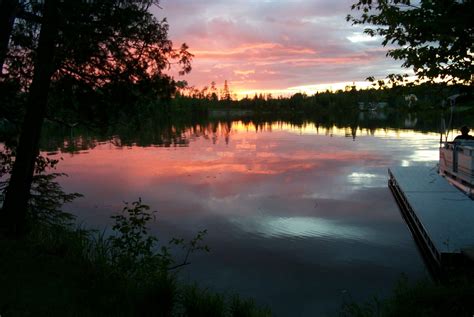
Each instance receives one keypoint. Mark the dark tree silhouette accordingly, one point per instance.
(8, 10)
(17, 195)
(226, 92)
(97, 43)
(435, 37)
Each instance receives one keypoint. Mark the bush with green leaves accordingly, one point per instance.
(135, 252)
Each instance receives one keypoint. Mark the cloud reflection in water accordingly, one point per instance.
(294, 214)
(268, 226)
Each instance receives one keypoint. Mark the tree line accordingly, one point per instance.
(407, 97)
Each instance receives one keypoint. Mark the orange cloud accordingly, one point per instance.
(244, 72)
(252, 50)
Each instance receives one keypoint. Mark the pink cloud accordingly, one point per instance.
(284, 43)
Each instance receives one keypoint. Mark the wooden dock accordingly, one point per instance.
(439, 215)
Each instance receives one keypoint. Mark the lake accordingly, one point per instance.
(299, 217)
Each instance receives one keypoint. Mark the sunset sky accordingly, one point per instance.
(277, 46)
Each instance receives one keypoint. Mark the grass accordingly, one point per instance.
(453, 297)
(60, 271)
(46, 274)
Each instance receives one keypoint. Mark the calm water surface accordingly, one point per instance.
(299, 218)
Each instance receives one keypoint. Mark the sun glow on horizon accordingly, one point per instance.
(304, 89)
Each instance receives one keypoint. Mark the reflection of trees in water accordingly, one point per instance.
(209, 131)
(174, 132)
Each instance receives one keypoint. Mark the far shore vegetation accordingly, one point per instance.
(129, 115)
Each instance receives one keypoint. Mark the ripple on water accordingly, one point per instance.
(267, 226)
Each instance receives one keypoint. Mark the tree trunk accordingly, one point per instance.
(18, 192)
(8, 10)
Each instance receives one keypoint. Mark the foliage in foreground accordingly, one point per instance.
(59, 270)
(433, 37)
(424, 298)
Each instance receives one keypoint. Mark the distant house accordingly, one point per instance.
(372, 106)
(411, 99)
(451, 100)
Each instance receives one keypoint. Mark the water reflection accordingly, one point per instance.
(296, 214)
(301, 227)
(366, 179)
(176, 132)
